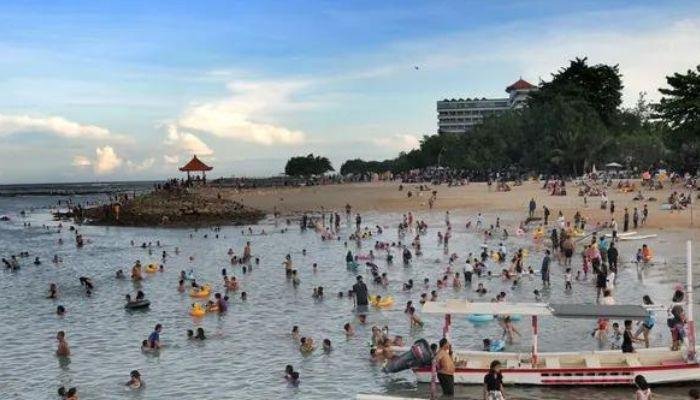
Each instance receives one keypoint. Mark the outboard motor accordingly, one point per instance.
(418, 356)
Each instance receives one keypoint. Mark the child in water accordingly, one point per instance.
(567, 279)
(616, 337)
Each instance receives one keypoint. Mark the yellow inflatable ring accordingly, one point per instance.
(202, 292)
(151, 268)
(197, 310)
(384, 302)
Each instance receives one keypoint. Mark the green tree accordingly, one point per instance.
(358, 166)
(640, 139)
(600, 86)
(679, 109)
(309, 165)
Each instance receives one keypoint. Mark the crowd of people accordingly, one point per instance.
(560, 240)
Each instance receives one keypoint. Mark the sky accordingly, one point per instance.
(130, 90)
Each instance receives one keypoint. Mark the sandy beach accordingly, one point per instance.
(475, 197)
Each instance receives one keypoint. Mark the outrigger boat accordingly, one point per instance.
(659, 365)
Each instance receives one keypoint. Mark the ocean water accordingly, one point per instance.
(248, 348)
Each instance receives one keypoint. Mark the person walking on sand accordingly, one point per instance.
(626, 221)
(533, 207)
(546, 215)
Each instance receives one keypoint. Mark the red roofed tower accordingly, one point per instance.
(519, 92)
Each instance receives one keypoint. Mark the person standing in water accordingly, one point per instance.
(63, 349)
(545, 269)
(612, 258)
(154, 337)
(246, 252)
(361, 298)
(493, 382)
(445, 368)
(643, 389)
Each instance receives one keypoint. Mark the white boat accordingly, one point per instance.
(638, 237)
(621, 235)
(577, 368)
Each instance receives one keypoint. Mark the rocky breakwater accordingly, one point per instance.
(192, 207)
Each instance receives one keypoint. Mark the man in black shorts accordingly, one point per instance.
(601, 281)
(361, 300)
(445, 368)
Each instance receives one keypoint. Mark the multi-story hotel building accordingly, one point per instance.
(461, 115)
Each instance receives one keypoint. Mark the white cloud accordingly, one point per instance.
(647, 47)
(142, 166)
(187, 143)
(174, 159)
(240, 116)
(399, 142)
(106, 160)
(81, 161)
(644, 57)
(59, 126)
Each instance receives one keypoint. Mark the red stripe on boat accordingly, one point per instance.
(572, 370)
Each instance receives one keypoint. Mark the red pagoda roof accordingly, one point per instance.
(520, 85)
(196, 165)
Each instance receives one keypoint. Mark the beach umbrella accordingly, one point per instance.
(613, 165)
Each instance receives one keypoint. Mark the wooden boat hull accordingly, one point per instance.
(659, 366)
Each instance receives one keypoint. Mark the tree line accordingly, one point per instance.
(572, 122)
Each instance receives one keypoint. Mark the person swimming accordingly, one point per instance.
(349, 330)
(200, 334)
(53, 291)
(135, 382)
(306, 345)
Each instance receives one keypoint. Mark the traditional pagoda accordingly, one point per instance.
(196, 165)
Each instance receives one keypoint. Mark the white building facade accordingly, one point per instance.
(462, 115)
